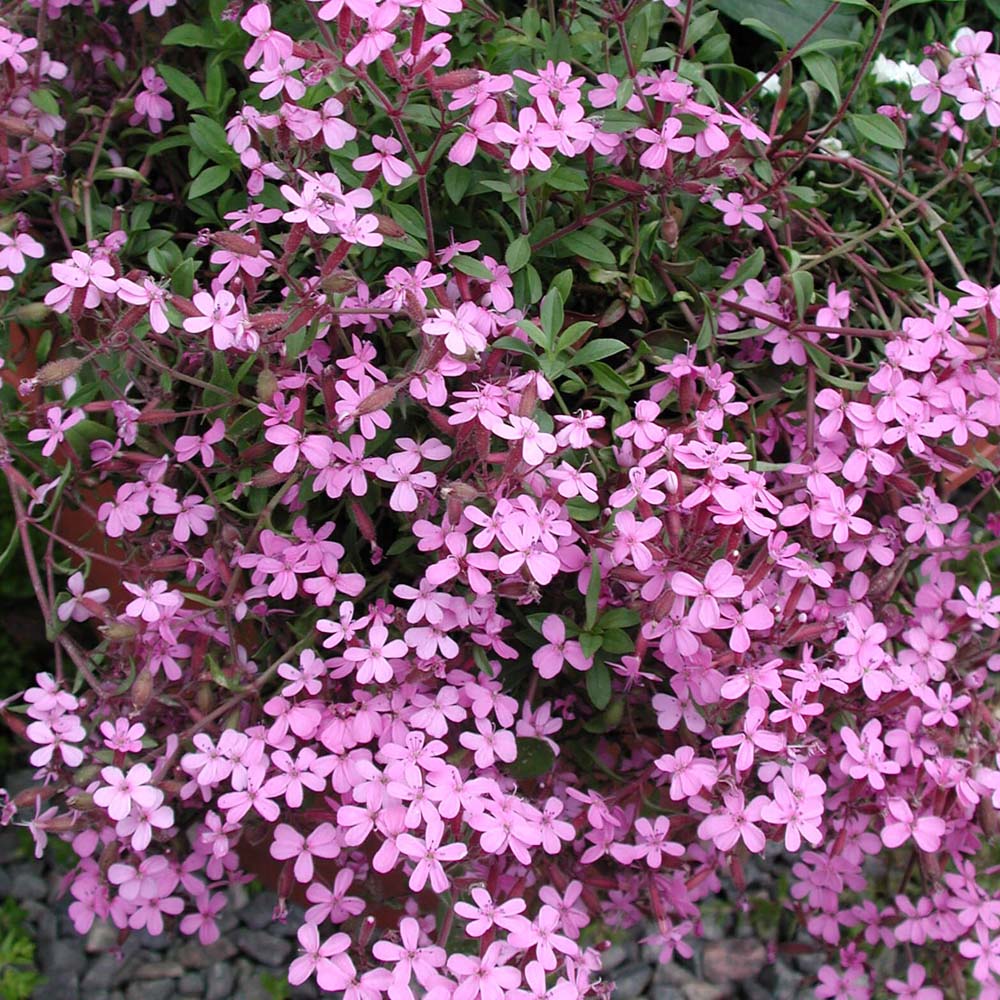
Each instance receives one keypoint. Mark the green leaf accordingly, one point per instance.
(210, 137)
(573, 333)
(45, 101)
(595, 350)
(589, 247)
(536, 333)
(300, 341)
(182, 85)
(878, 129)
(804, 286)
(472, 267)
(787, 22)
(824, 71)
(534, 759)
(593, 591)
(552, 317)
(208, 180)
(563, 283)
(456, 182)
(607, 378)
(599, 685)
(513, 344)
(518, 254)
(750, 268)
(190, 35)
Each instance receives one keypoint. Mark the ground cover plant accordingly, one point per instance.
(511, 467)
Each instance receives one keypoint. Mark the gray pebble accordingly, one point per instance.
(615, 955)
(257, 914)
(63, 985)
(263, 947)
(672, 974)
(150, 942)
(101, 937)
(661, 991)
(151, 989)
(192, 984)
(194, 955)
(219, 981)
(631, 980)
(159, 970)
(305, 991)
(63, 956)
(26, 885)
(704, 991)
(102, 974)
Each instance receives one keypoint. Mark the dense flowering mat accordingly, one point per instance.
(504, 468)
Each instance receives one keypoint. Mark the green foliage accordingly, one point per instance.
(18, 972)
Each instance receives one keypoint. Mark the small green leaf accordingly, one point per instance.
(518, 254)
(599, 685)
(596, 350)
(210, 137)
(552, 317)
(750, 268)
(534, 758)
(472, 267)
(878, 129)
(804, 286)
(190, 35)
(824, 71)
(208, 180)
(456, 182)
(183, 86)
(589, 247)
(45, 101)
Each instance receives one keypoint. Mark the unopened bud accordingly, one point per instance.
(235, 243)
(269, 477)
(142, 689)
(16, 126)
(119, 631)
(265, 322)
(338, 281)
(267, 385)
(31, 313)
(167, 564)
(377, 400)
(205, 698)
(30, 795)
(455, 79)
(57, 371)
(388, 227)
(81, 801)
(156, 417)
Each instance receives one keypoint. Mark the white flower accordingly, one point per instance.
(889, 71)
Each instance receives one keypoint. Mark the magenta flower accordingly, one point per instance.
(430, 856)
(121, 791)
(736, 210)
(486, 977)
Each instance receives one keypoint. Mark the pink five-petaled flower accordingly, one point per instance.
(222, 314)
(55, 433)
(289, 843)
(737, 209)
(490, 744)
(631, 536)
(394, 170)
(486, 914)
(409, 957)
(373, 660)
(530, 140)
(77, 606)
(720, 583)
(461, 336)
(549, 659)
(797, 805)
(926, 831)
(486, 977)
(333, 969)
(913, 988)
(689, 774)
(735, 821)
(122, 791)
(543, 934)
(429, 855)
(662, 143)
(536, 444)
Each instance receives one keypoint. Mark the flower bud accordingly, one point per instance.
(388, 227)
(267, 385)
(118, 631)
(56, 371)
(16, 126)
(205, 698)
(269, 477)
(142, 689)
(377, 400)
(455, 79)
(31, 313)
(81, 801)
(338, 281)
(235, 243)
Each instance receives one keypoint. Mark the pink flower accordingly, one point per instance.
(76, 608)
(373, 660)
(333, 969)
(734, 822)
(289, 843)
(721, 582)
(738, 210)
(486, 914)
(430, 856)
(394, 170)
(485, 978)
(55, 433)
(461, 336)
(530, 140)
(913, 988)
(662, 143)
(631, 536)
(549, 659)
(122, 791)
(926, 831)
(490, 744)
